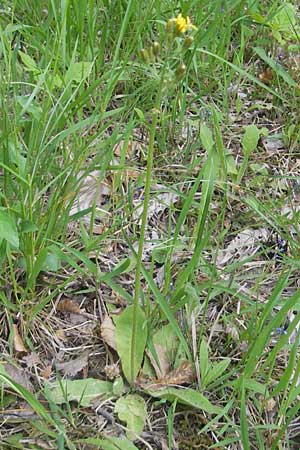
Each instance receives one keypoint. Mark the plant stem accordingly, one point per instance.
(154, 120)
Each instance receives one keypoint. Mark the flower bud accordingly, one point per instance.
(151, 54)
(171, 26)
(188, 42)
(155, 48)
(180, 71)
(144, 54)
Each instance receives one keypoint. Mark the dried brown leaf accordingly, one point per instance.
(46, 373)
(132, 145)
(108, 332)
(60, 334)
(270, 405)
(266, 76)
(31, 360)
(71, 368)
(163, 367)
(18, 341)
(92, 192)
(19, 375)
(69, 306)
(184, 374)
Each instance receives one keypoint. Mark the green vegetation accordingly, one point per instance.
(149, 224)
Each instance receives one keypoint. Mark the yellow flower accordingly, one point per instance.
(184, 24)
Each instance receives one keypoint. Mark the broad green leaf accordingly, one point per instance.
(132, 410)
(216, 370)
(206, 137)
(252, 385)
(82, 391)
(118, 386)
(124, 341)
(230, 164)
(188, 397)
(167, 338)
(166, 309)
(250, 139)
(8, 229)
(28, 62)
(28, 227)
(31, 107)
(203, 355)
(52, 262)
(110, 443)
(285, 19)
(78, 71)
(278, 69)
(258, 168)
(140, 114)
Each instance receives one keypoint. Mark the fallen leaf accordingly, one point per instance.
(31, 360)
(91, 193)
(233, 332)
(46, 373)
(18, 375)
(69, 306)
(161, 199)
(162, 367)
(184, 374)
(118, 149)
(266, 76)
(245, 244)
(108, 332)
(71, 368)
(18, 341)
(60, 334)
(132, 410)
(270, 404)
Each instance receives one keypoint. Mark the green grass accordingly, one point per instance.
(193, 127)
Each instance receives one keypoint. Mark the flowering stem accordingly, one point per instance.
(154, 120)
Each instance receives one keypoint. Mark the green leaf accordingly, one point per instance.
(285, 18)
(30, 107)
(52, 262)
(8, 229)
(258, 168)
(28, 227)
(244, 421)
(28, 62)
(110, 443)
(167, 338)
(188, 397)
(216, 370)
(78, 71)
(230, 164)
(278, 69)
(118, 386)
(250, 139)
(206, 137)
(252, 385)
(82, 391)
(124, 341)
(132, 410)
(203, 355)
